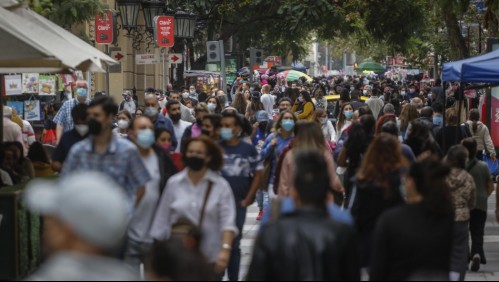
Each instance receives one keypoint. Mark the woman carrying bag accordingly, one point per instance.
(200, 195)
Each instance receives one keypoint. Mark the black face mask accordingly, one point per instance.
(199, 122)
(194, 163)
(94, 127)
(263, 126)
(206, 133)
(176, 118)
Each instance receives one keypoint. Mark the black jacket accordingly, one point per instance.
(305, 246)
(166, 166)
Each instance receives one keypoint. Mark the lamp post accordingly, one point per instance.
(185, 26)
(129, 13)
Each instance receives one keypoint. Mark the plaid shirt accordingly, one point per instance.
(121, 162)
(63, 117)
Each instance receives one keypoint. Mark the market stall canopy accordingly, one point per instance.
(464, 70)
(370, 65)
(481, 72)
(32, 43)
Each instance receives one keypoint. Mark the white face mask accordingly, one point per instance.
(123, 124)
(82, 129)
(185, 95)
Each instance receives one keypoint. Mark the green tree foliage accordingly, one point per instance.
(67, 13)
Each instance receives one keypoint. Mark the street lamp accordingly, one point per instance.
(152, 9)
(129, 13)
(185, 24)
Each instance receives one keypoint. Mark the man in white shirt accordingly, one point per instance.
(374, 102)
(179, 125)
(267, 100)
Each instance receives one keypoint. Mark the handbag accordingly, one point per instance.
(493, 165)
(184, 226)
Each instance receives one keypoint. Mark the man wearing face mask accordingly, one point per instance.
(70, 138)
(193, 94)
(63, 118)
(108, 154)
(242, 169)
(412, 92)
(160, 168)
(179, 126)
(128, 103)
(159, 121)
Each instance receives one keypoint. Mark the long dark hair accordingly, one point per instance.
(37, 153)
(475, 118)
(430, 179)
(306, 97)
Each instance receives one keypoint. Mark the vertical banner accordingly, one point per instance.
(494, 119)
(13, 85)
(164, 31)
(104, 28)
(30, 83)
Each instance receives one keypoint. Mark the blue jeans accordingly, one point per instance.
(235, 256)
(262, 199)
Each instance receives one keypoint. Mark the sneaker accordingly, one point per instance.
(475, 263)
(260, 215)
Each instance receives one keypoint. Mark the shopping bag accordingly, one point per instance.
(493, 165)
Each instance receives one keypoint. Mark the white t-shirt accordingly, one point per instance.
(179, 131)
(143, 216)
(268, 102)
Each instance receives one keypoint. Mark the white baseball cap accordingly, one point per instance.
(92, 204)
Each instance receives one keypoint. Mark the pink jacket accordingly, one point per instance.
(288, 170)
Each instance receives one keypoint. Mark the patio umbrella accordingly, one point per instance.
(370, 65)
(293, 75)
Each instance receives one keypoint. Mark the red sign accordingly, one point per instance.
(164, 31)
(104, 28)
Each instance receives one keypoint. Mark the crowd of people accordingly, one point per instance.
(374, 182)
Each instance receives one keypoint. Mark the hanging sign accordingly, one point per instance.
(104, 28)
(164, 31)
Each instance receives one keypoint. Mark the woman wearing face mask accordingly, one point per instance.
(211, 126)
(304, 106)
(164, 141)
(345, 120)
(320, 101)
(124, 118)
(214, 105)
(201, 195)
(327, 127)
(276, 142)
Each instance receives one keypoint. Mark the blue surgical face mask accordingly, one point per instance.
(145, 138)
(348, 114)
(151, 112)
(438, 120)
(212, 107)
(226, 134)
(288, 124)
(81, 92)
